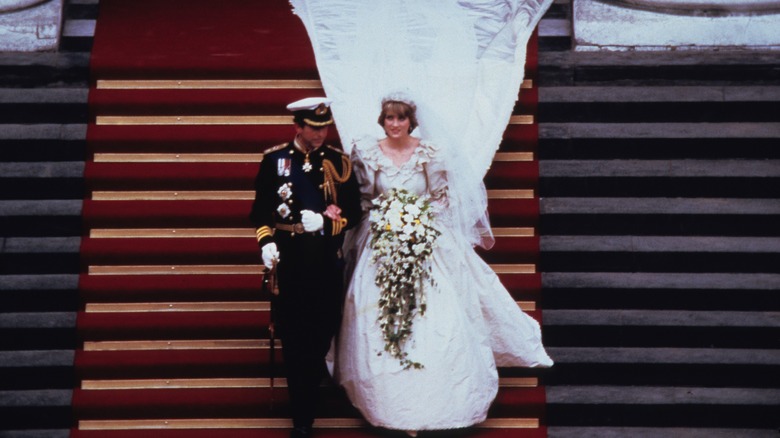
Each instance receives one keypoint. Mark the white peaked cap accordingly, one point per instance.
(309, 103)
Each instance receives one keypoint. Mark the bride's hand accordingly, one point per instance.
(333, 212)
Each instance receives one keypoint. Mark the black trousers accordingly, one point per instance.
(308, 314)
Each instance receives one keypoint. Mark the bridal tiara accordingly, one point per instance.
(399, 96)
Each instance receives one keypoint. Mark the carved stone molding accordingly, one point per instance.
(676, 24)
(15, 5)
(714, 8)
(30, 25)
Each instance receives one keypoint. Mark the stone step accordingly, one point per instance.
(37, 369)
(38, 331)
(44, 70)
(658, 148)
(657, 432)
(35, 218)
(662, 406)
(45, 409)
(568, 68)
(699, 244)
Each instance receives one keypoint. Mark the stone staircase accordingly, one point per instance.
(659, 185)
(43, 99)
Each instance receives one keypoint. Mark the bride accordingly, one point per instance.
(446, 376)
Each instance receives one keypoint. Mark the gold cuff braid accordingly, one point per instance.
(262, 232)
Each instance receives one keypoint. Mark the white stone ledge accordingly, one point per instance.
(601, 26)
(36, 28)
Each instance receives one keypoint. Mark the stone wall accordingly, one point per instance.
(30, 25)
(676, 24)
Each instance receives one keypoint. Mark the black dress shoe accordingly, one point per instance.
(300, 432)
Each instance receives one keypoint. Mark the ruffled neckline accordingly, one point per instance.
(374, 158)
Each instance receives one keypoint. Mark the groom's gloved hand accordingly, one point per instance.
(270, 255)
(312, 222)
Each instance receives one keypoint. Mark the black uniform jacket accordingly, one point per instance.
(290, 181)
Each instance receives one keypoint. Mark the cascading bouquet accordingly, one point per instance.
(403, 238)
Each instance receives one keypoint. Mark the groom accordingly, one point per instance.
(306, 197)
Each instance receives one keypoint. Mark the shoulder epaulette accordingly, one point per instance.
(335, 149)
(275, 148)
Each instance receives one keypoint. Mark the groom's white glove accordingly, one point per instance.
(311, 221)
(270, 255)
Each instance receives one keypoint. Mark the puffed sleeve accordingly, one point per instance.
(365, 170)
(436, 176)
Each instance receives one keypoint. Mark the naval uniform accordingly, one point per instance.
(310, 269)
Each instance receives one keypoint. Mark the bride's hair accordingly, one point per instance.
(404, 108)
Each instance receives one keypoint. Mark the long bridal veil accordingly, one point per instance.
(461, 61)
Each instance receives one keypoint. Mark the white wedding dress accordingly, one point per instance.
(471, 324)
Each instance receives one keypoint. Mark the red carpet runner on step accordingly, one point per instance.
(184, 98)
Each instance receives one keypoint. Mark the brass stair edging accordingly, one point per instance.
(173, 195)
(221, 84)
(215, 423)
(523, 119)
(224, 306)
(262, 382)
(207, 84)
(194, 233)
(238, 306)
(510, 194)
(207, 120)
(513, 156)
(527, 268)
(176, 270)
(136, 384)
(166, 345)
(170, 233)
(514, 231)
(190, 120)
(271, 423)
(128, 157)
(132, 157)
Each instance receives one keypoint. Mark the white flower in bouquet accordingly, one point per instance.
(403, 238)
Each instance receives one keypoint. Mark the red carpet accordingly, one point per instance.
(173, 321)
